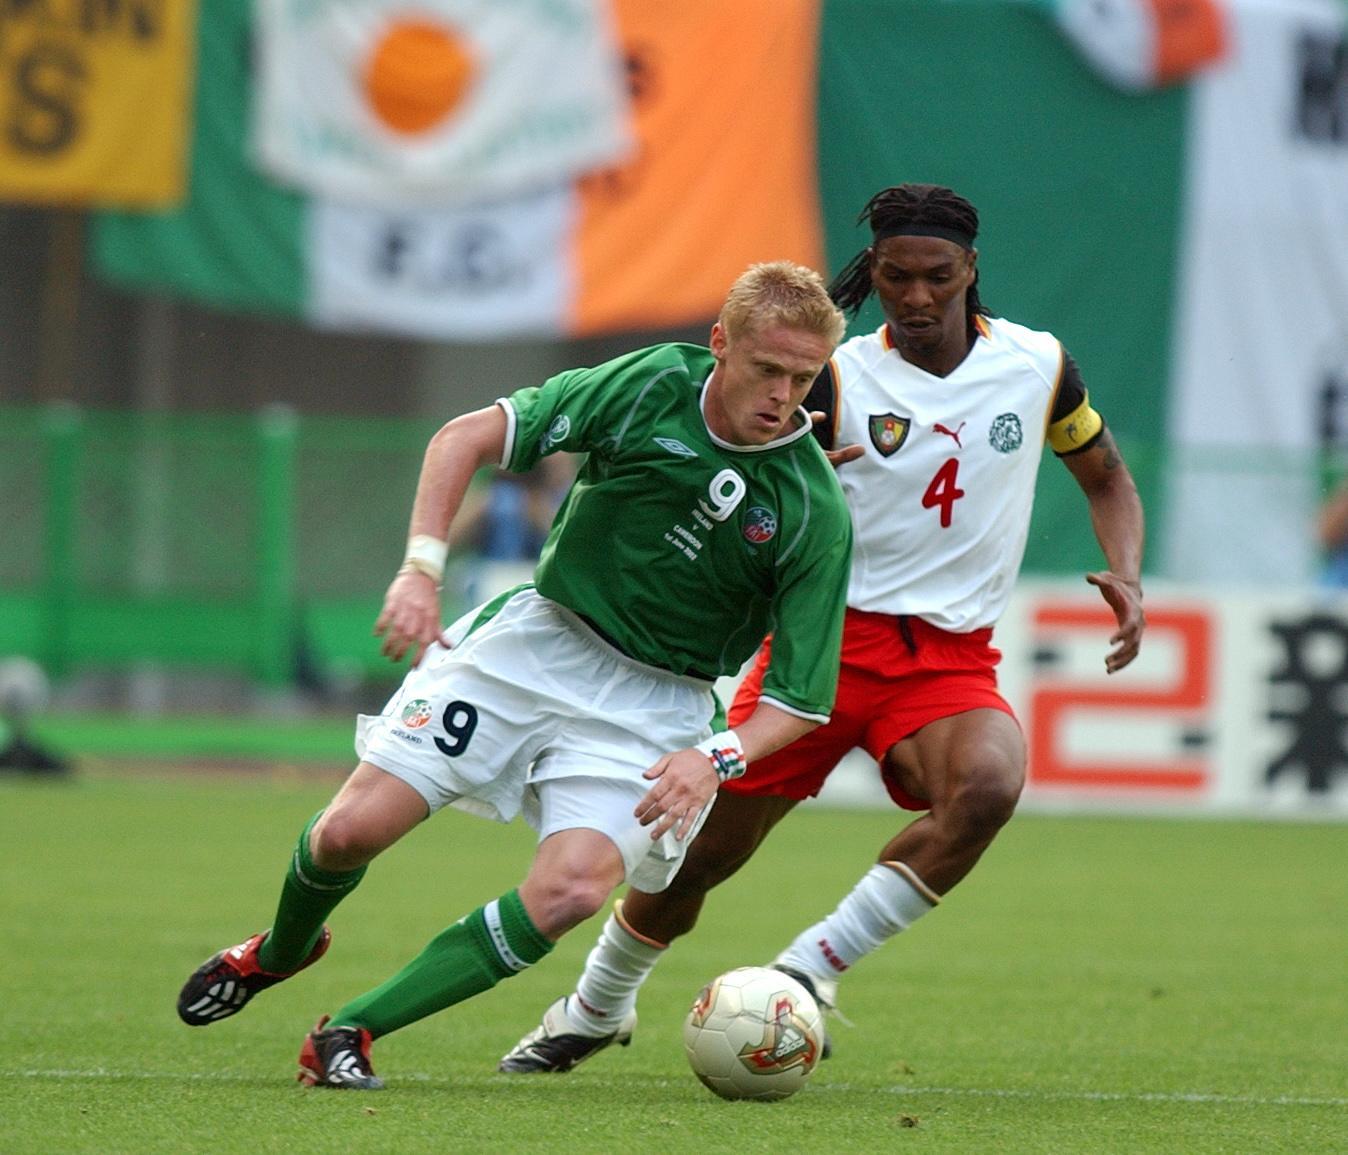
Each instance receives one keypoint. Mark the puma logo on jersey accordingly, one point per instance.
(674, 446)
(955, 433)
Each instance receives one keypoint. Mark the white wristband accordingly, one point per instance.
(726, 754)
(426, 555)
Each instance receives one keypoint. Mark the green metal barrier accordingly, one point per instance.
(261, 543)
(258, 544)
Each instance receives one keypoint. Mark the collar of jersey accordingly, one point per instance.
(980, 342)
(777, 443)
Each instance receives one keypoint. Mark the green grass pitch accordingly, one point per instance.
(1097, 985)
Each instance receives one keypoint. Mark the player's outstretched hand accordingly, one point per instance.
(684, 783)
(410, 619)
(1125, 599)
(837, 457)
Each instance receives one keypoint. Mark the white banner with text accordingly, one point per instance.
(1238, 704)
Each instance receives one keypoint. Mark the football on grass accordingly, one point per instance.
(753, 1033)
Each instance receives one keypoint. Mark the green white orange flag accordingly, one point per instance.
(652, 242)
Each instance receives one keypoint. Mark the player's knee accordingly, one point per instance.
(985, 798)
(341, 841)
(565, 901)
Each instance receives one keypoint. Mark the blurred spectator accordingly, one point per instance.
(1332, 530)
(24, 692)
(504, 523)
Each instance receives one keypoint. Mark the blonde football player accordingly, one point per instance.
(704, 514)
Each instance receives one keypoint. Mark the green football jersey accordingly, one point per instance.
(681, 548)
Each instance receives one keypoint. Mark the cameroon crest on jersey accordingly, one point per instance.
(888, 432)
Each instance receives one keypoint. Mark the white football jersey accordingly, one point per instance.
(941, 500)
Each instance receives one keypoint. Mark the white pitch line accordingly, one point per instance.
(1103, 1096)
(817, 1088)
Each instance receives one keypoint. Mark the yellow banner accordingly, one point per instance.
(94, 101)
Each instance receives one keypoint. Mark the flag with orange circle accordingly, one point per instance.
(722, 175)
(390, 103)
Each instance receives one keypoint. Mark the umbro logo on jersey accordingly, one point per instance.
(675, 446)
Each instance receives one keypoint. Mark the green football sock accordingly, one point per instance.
(493, 943)
(308, 896)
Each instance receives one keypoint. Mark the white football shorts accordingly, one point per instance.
(534, 713)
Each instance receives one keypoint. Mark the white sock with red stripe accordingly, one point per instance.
(614, 972)
(889, 898)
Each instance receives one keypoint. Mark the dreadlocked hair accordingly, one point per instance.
(905, 204)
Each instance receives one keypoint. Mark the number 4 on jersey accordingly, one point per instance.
(943, 492)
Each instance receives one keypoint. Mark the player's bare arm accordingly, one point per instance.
(1332, 524)
(842, 455)
(410, 619)
(685, 780)
(1116, 517)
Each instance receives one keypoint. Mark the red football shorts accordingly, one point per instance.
(886, 691)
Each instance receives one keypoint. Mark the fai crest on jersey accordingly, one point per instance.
(416, 713)
(1005, 435)
(888, 432)
(556, 434)
(759, 524)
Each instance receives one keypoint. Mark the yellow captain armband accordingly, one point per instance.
(1077, 430)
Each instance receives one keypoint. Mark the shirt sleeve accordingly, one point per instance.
(823, 398)
(579, 409)
(1073, 424)
(802, 676)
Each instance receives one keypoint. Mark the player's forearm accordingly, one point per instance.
(1333, 522)
(1117, 518)
(768, 729)
(1115, 508)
